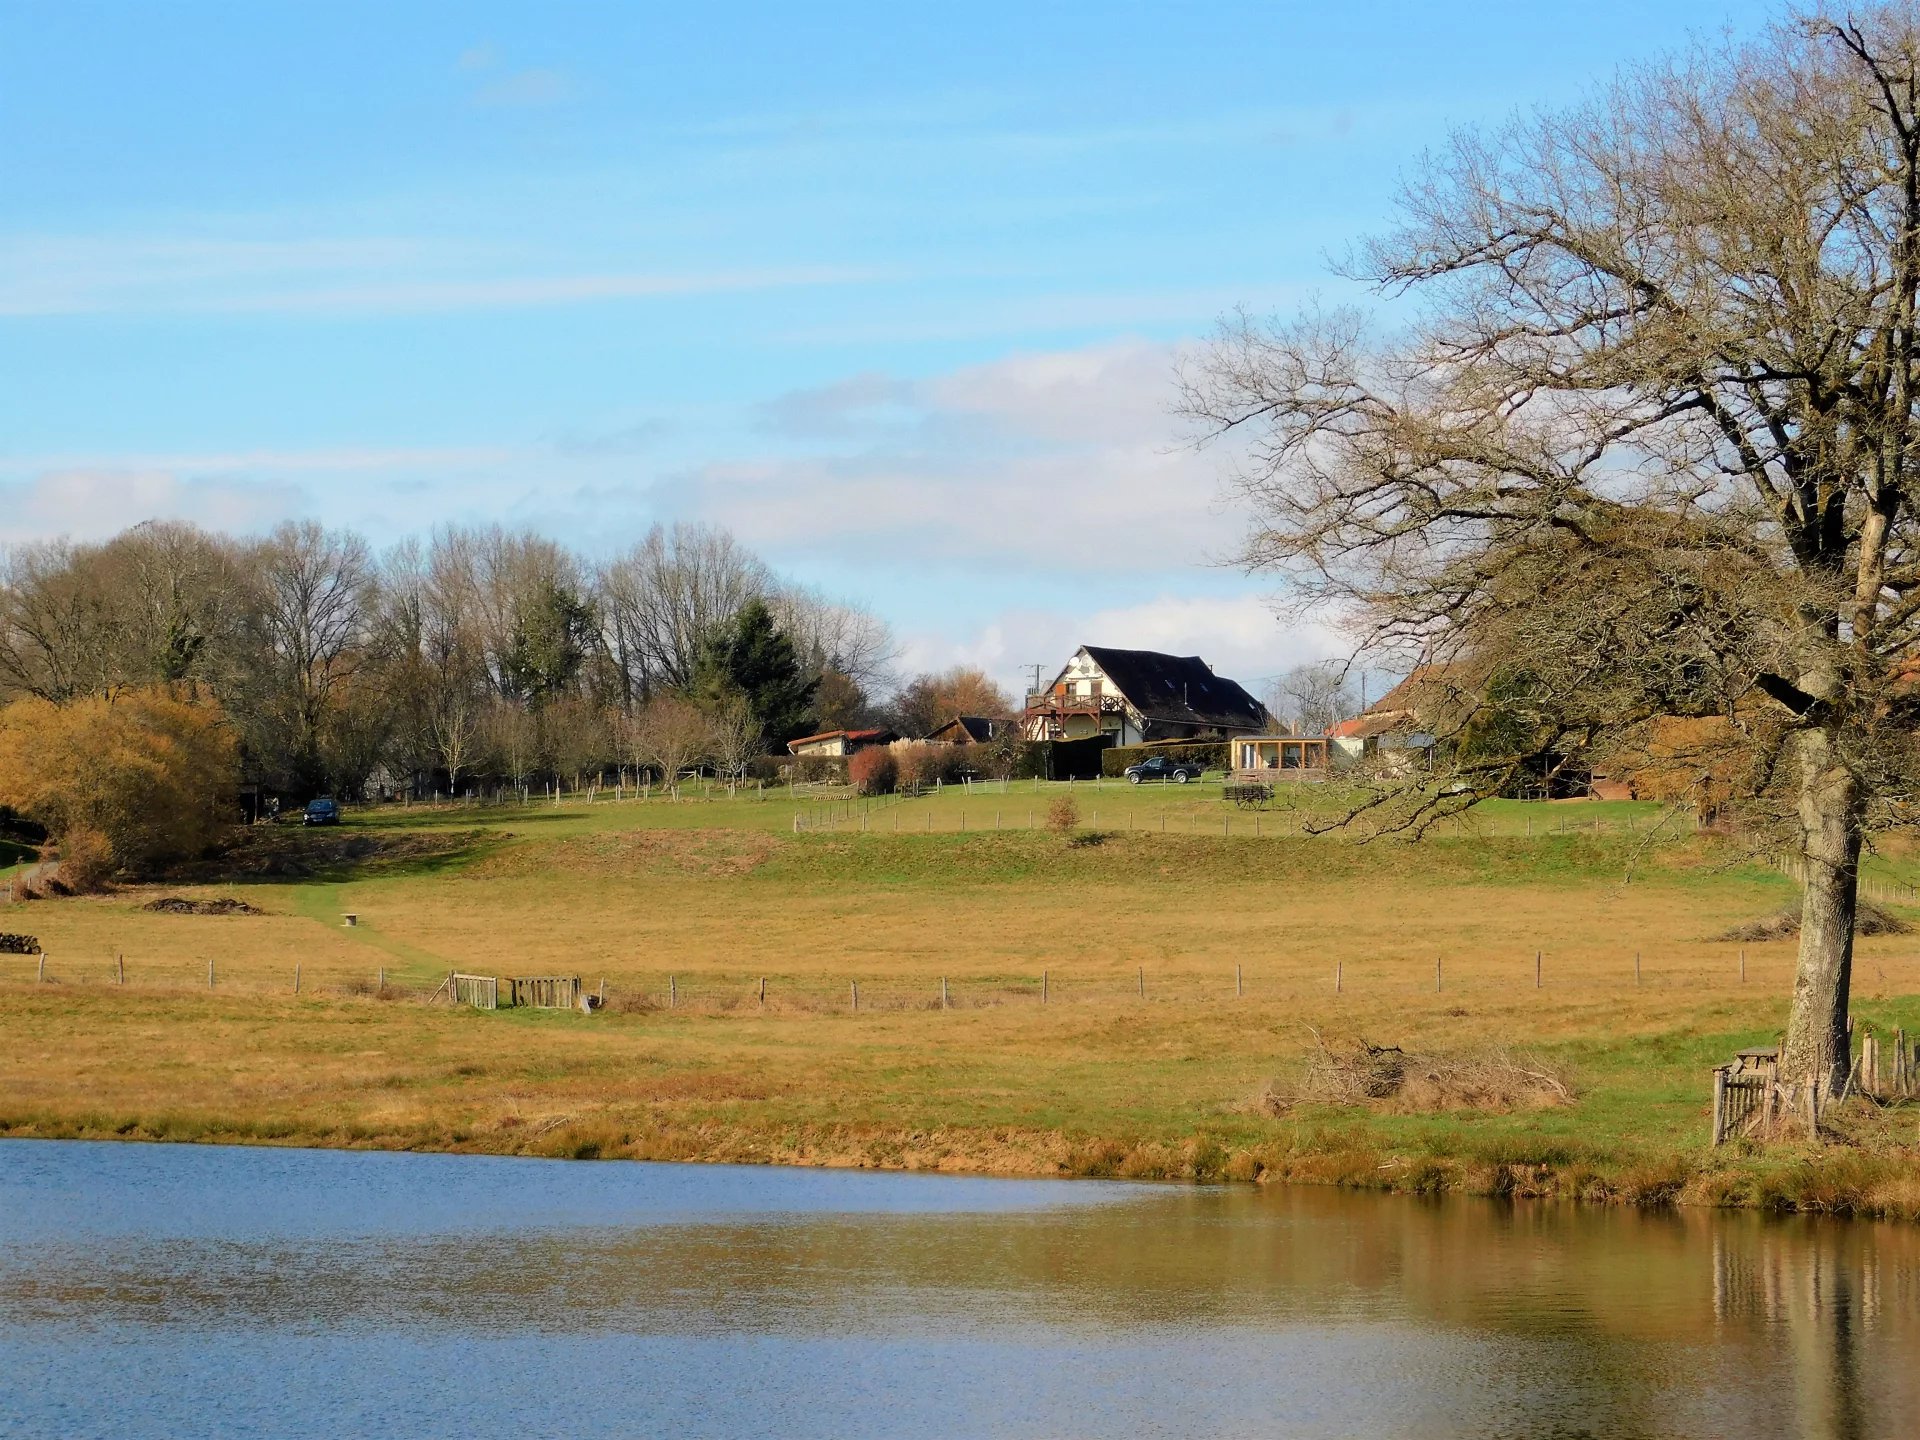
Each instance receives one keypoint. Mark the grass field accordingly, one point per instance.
(1238, 942)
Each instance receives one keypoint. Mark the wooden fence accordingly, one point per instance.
(1750, 1099)
(546, 992)
(482, 992)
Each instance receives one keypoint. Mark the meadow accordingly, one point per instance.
(1116, 1000)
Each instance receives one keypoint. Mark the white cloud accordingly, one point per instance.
(1240, 636)
(1066, 460)
(91, 504)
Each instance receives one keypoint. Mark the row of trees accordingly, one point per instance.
(479, 654)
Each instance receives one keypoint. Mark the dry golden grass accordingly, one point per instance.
(1098, 1080)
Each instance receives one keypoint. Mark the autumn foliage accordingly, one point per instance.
(120, 783)
(872, 770)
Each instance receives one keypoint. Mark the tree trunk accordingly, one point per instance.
(1817, 1046)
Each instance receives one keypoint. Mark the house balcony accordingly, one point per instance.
(1051, 702)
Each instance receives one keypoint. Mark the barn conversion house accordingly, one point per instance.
(1136, 696)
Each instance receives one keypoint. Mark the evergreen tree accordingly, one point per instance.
(752, 657)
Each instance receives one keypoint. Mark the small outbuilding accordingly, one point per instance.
(839, 742)
(1265, 759)
(966, 730)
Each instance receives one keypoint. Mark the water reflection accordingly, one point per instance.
(730, 1302)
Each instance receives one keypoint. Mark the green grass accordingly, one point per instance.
(719, 891)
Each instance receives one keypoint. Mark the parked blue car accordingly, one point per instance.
(322, 812)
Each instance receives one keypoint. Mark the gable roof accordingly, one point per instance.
(979, 728)
(1181, 689)
(850, 736)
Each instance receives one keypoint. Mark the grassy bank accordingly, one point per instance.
(1238, 943)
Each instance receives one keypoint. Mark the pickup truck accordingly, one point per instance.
(1159, 767)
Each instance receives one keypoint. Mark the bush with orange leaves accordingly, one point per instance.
(120, 784)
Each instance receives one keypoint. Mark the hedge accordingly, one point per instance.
(1208, 754)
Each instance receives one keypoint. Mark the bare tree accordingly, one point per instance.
(930, 700)
(735, 737)
(1652, 448)
(663, 598)
(1311, 699)
(669, 734)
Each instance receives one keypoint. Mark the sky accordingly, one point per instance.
(893, 292)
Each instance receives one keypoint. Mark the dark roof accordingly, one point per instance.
(979, 728)
(1180, 689)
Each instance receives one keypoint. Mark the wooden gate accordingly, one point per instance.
(480, 991)
(547, 992)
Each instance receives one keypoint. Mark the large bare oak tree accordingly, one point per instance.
(1651, 446)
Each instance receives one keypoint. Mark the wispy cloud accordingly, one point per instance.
(45, 276)
(537, 86)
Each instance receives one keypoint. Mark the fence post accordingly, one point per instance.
(763, 990)
(1339, 976)
(1239, 990)
(1143, 982)
(209, 974)
(40, 971)
(1043, 986)
(673, 992)
(1536, 970)
(856, 996)
(1743, 967)
(296, 979)
(382, 986)
(1436, 975)
(1636, 967)
(943, 992)
(120, 965)
(1719, 1104)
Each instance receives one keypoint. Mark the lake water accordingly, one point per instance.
(175, 1291)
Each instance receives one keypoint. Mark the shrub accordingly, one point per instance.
(872, 770)
(147, 776)
(86, 860)
(807, 769)
(1063, 815)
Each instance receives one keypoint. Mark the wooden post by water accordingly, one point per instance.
(1719, 1104)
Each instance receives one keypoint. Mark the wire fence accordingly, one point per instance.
(724, 993)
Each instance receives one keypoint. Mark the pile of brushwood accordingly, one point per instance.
(1867, 920)
(174, 905)
(19, 945)
(1389, 1078)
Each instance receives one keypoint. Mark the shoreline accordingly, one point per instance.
(1833, 1181)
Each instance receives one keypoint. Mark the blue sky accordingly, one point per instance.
(893, 292)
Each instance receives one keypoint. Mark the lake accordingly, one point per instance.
(183, 1290)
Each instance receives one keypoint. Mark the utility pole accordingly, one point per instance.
(1034, 689)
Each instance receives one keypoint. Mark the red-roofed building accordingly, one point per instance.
(839, 742)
